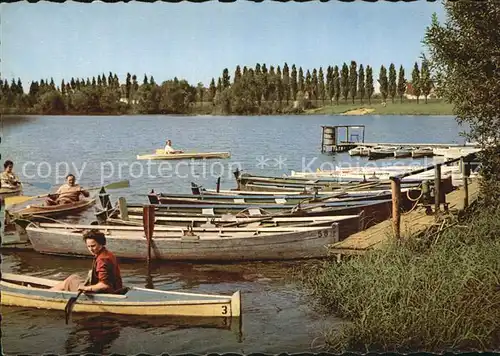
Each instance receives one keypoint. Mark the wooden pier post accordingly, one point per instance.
(437, 188)
(396, 211)
(465, 174)
(122, 206)
(148, 219)
(323, 140)
(218, 185)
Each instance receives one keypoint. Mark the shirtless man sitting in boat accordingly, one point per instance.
(8, 179)
(105, 276)
(67, 193)
(169, 149)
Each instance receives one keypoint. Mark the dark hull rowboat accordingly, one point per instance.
(33, 292)
(34, 212)
(163, 198)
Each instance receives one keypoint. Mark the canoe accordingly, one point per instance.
(34, 212)
(8, 192)
(128, 242)
(33, 292)
(185, 155)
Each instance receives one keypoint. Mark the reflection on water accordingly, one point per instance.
(277, 316)
(271, 305)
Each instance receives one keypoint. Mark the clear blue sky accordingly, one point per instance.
(197, 41)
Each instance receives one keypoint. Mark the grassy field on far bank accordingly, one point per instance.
(433, 107)
(436, 293)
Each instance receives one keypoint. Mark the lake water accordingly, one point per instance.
(277, 316)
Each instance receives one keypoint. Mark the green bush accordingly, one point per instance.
(435, 293)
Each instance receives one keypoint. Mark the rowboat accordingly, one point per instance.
(285, 243)
(185, 155)
(307, 182)
(264, 200)
(27, 291)
(402, 152)
(198, 189)
(232, 220)
(211, 209)
(372, 212)
(359, 151)
(34, 212)
(422, 152)
(381, 152)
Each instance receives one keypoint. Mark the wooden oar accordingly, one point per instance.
(22, 198)
(69, 306)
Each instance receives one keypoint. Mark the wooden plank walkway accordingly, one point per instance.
(413, 222)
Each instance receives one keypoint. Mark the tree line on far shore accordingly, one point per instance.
(256, 90)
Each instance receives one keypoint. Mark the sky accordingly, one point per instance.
(196, 41)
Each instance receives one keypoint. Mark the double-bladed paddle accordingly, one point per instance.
(22, 198)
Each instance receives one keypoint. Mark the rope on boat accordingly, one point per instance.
(414, 200)
(52, 219)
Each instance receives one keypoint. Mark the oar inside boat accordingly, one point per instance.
(23, 198)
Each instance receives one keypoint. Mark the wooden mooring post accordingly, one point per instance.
(396, 211)
(148, 219)
(465, 175)
(437, 189)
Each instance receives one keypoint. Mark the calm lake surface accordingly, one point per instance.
(277, 315)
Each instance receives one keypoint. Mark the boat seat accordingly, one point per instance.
(254, 212)
(239, 200)
(280, 201)
(228, 217)
(208, 211)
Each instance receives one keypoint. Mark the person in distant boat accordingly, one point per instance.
(169, 149)
(67, 193)
(8, 179)
(105, 276)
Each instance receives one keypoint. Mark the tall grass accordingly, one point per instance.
(436, 293)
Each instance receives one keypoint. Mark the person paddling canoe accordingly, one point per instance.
(169, 149)
(105, 276)
(8, 179)
(67, 193)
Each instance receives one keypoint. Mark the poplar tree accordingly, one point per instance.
(415, 81)
(361, 83)
(382, 80)
(392, 82)
(369, 83)
(344, 81)
(401, 83)
(353, 80)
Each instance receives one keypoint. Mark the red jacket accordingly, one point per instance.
(105, 269)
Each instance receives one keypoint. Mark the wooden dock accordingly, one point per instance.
(413, 222)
